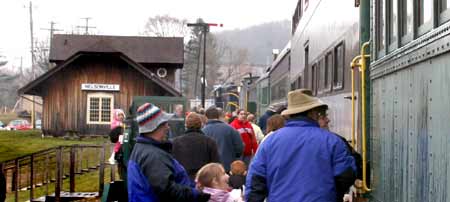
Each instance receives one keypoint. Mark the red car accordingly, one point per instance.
(19, 124)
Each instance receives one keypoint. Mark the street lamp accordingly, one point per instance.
(205, 27)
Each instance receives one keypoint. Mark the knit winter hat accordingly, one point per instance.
(149, 117)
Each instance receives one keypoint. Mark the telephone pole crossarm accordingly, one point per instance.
(205, 30)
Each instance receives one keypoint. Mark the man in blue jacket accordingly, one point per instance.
(228, 140)
(153, 174)
(300, 162)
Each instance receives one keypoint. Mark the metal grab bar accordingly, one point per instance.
(353, 64)
(360, 61)
(363, 110)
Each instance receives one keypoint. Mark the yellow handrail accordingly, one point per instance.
(363, 109)
(353, 64)
(360, 61)
(234, 104)
(233, 94)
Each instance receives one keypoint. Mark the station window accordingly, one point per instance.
(99, 107)
(338, 70)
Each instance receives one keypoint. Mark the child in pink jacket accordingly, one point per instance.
(213, 180)
(118, 117)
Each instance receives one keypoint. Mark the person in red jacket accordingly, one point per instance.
(247, 135)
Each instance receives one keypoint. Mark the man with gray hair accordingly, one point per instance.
(227, 138)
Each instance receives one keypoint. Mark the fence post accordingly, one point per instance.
(16, 180)
(72, 168)
(47, 181)
(31, 176)
(59, 167)
(101, 176)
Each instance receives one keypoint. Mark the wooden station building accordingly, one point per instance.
(96, 74)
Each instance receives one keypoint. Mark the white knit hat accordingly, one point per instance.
(149, 117)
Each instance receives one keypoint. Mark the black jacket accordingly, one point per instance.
(236, 181)
(155, 176)
(194, 150)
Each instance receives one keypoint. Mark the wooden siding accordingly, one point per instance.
(65, 103)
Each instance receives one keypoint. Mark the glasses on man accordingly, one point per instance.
(322, 114)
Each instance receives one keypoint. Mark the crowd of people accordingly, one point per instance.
(290, 154)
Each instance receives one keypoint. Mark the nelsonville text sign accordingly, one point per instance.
(100, 87)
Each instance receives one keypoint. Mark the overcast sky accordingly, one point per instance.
(123, 17)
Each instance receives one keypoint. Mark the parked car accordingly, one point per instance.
(19, 124)
(2, 126)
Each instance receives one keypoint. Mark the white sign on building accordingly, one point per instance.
(100, 87)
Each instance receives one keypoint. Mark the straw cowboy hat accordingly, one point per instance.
(300, 101)
(149, 117)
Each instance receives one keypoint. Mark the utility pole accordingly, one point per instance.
(198, 65)
(52, 29)
(33, 113)
(205, 27)
(86, 27)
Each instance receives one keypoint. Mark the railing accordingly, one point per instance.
(360, 61)
(52, 166)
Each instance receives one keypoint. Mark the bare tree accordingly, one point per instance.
(41, 54)
(3, 61)
(166, 26)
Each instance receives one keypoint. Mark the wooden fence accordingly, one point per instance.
(52, 166)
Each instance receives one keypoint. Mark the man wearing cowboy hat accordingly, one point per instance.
(301, 161)
(153, 174)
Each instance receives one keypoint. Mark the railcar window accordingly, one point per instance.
(313, 78)
(306, 4)
(445, 4)
(306, 69)
(265, 96)
(299, 9)
(279, 89)
(407, 19)
(425, 16)
(425, 11)
(381, 26)
(338, 70)
(299, 82)
(444, 8)
(321, 76)
(328, 70)
(393, 21)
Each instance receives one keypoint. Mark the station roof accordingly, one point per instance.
(143, 50)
